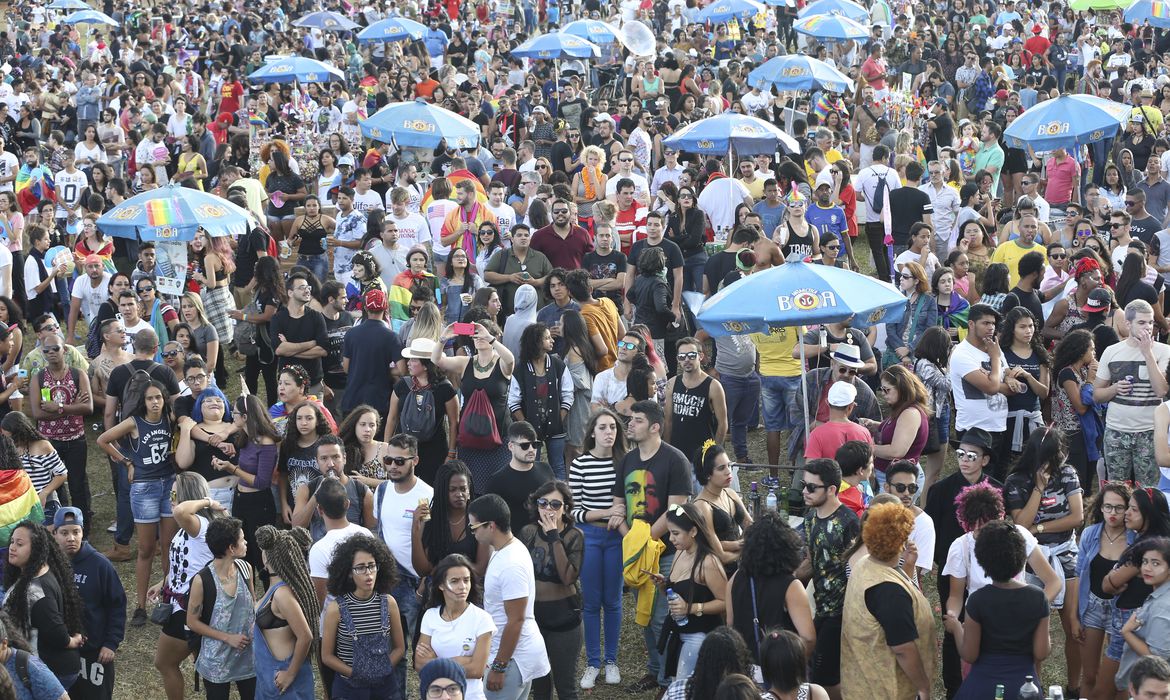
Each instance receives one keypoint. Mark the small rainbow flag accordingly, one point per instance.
(163, 212)
(18, 502)
(33, 186)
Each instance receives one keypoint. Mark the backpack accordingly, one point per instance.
(477, 425)
(22, 668)
(418, 416)
(195, 641)
(134, 392)
(879, 193)
(248, 335)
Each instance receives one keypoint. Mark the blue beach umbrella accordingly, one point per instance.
(830, 27)
(556, 45)
(799, 72)
(392, 29)
(174, 213)
(1156, 12)
(1066, 122)
(295, 68)
(419, 124)
(591, 30)
(835, 7)
(91, 17)
(327, 21)
(67, 5)
(722, 11)
(720, 134)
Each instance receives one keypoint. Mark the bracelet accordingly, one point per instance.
(500, 666)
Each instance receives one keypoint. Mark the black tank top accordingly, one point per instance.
(312, 235)
(770, 606)
(496, 388)
(802, 245)
(692, 422)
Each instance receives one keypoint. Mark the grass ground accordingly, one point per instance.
(137, 678)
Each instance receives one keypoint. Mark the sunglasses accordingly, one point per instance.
(546, 504)
(144, 290)
(1116, 226)
(906, 276)
(1058, 256)
(903, 488)
(851, 371)
(528, 445)
(625, 345)
(475, 526)
(168, 353)
(966, 456)
(813, 488)
(1130, 202)
(396, 461)
(832, 247)
(688, 356)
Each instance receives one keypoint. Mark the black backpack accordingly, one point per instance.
(879, 193)
(134, 393)
(418, 416)
(195, 641)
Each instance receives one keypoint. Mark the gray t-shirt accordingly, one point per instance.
(203, 335)
(735, 355)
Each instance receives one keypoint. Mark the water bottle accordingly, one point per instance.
(999, 692)
(770, 501)
(1029, 690)
(754, 500)
(1056, 692)
(679, 620)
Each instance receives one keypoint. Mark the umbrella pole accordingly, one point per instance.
(804, 384)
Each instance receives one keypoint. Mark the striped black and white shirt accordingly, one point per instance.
(367, 619)
(591, 480)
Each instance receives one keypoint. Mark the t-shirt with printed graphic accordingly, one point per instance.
(1133, 411)
(300, 467)
(605, 267)
(1018, 487)
(828, 220)
(647, 485)
(973, 408)
(828, 539)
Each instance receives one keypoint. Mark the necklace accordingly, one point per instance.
(479, 367)
(1112, 540)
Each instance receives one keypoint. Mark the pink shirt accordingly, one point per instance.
(871, 69)
(1061, 175)
(825, 439)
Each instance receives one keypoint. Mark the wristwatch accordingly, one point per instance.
(1040, 529)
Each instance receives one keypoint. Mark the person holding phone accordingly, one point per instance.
(978, 363)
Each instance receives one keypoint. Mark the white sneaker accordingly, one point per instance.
(112, 528)
(589, 678)
(613, 676)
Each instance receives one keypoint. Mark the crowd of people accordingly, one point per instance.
(476, 409)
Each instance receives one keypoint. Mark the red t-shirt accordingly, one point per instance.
(631, 225)
(567, 252)
(229, 97)
(827, 438)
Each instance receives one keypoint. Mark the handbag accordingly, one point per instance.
(161, 612)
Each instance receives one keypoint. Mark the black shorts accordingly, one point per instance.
(826, 661)
(1015, 161)
(176, 625)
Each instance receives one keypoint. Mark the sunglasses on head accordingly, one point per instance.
(396, 461)
(903, 488)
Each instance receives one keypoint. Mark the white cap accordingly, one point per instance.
(841, 394)
(346, 159)
(825, 177)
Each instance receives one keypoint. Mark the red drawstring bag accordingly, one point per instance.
(477, 426)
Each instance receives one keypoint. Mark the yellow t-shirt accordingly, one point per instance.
(1010, 253)
(775, 350)
(755, 189)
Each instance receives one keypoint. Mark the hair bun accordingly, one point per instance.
(302, 537)
(266, 536)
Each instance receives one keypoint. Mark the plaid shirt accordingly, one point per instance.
(981, 91)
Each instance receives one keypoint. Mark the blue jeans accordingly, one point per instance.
(601, 590)
(652, 631)
(317, 264)
(515, 687)
(781, 403)
(556, 455)
(405, 594)
(693, 272)
(688, 654)
(125, 517)
(743, 395)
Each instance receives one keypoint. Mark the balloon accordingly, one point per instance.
(638, 38)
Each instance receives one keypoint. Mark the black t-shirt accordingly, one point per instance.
(122, 373)
(907, 207)
(601, 267)
(561, 152)
(183, 406)
(944, 134)
(674, 257)
(717, 267)
(1008, 618)
(331, 365)
(1031, 302)
(310, 326)
(288, 184)
(1138, 290)
(247, 254)
(893, 608)
(516, 486)
(1144, 229)
(1027, 401)
(647, 485)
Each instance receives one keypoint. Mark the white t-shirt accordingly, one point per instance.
(397, 516)
(866, 183)
(69, 188)
(412, 230)
(458, 637)
(367, 202)
(91, 297)
(973, 408)
(5, 277)
(436, 213)
(1132, 412)
(132, 331)
(923, 538)
(9, 166)
(961, 560)
(608, 389)
(321, 553)
(641, 185)
(906, 256)
(510, 576)
(505, 217)
(719, 199)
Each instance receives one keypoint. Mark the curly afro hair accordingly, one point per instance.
(340, 579)
(770, 547)
(886, 530)
(1000, 550)
(977, 505)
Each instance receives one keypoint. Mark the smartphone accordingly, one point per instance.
(463, 328)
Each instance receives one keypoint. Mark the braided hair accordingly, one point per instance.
(284, 555)
(43, 550)
(436, 534)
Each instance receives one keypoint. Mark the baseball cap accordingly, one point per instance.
(1036, 29)
(841, 394)
(1001, 94)
(68, 515)
(602, 117)
(91, 259)
(375, 300)
(346, 159)
(1099, 300)
(539, 109)
(825, 177)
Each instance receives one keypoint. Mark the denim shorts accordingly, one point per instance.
(150, 501)
(1116, 643)
(781, 410)
(1097, 613)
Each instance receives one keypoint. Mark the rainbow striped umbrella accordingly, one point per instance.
(1157, 12)
(174, 213)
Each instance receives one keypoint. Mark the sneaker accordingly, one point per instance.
(589, 678)
(613, 676)
(113, 527)
(139, 618)
(644, 684)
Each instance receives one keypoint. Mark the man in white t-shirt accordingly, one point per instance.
(1131, 377)
(128, 307)
(625, 169)
(718, 201)
(497, 202)
(437, 212)
(980, 381)
(509, 593)
(88, 292)
(332, 504)
(902, 481)
(70, 183)
(395, 502)
(413, 229)
(365, 199)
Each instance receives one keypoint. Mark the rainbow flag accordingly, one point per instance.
(33, 186)
(18, 502)
(1160, 9)
(163, 212)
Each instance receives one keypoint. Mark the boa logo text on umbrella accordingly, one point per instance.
(211, 211)
(705, 143)
(806, 300)
(793, 72)
(126, 214)
(1053, 128)
(418, 125)
(166, 232)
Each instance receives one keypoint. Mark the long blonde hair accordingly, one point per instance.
(198, 304)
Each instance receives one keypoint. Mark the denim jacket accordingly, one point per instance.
(1091, 547)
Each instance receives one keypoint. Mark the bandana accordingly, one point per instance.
(1085, 266)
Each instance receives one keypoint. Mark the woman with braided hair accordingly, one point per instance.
(283, 636)
(42, 600)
